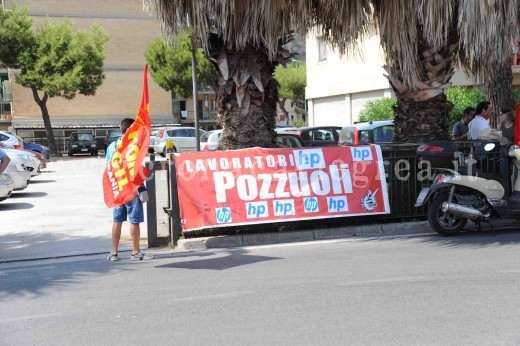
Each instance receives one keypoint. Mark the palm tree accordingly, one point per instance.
(422, 39)
(244, 41)
(423, 50)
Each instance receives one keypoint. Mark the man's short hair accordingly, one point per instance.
(125, 124)
(482, 106)
(469, 110)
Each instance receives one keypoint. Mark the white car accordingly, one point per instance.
(16, 171)
(11, 140)
(183, 138)
(28, 160)
(210, 139)
(6, 186)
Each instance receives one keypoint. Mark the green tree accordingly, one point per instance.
(16, 35)
(293, 80)
(378, 109)
(170, 64)
(54, 61)
(462, 98)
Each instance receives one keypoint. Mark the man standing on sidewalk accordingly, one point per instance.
(4, 161)
(131, 210)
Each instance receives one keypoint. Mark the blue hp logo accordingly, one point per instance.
(310, 204)
(223, 215)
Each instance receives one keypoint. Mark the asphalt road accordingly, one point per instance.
(463, 290)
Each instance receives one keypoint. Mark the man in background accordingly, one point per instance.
(481, 120)
(460, 129)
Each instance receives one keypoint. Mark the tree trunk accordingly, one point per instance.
(421, 121)
(247, 95)
(500, 89)
(422, 110)
(42, 103)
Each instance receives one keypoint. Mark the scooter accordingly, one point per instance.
(458, 195)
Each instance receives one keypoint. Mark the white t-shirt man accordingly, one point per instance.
(476, 126)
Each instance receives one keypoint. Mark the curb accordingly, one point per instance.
(231, 241)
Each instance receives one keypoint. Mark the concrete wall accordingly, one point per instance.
(130, 30)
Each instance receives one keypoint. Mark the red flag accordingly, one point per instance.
(125, 172)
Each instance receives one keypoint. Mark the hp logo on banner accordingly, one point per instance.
(223, 215)
(310, 205)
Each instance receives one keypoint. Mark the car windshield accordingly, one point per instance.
(204, 137)
(84, 137)
(115, 134)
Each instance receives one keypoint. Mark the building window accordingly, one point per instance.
(322, 49)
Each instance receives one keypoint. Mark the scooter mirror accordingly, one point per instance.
(489, 146)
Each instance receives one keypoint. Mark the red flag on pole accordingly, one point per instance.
(125, 171)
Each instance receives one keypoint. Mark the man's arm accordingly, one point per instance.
(4, 163)
(464, 137)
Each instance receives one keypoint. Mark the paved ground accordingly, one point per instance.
(61, 213)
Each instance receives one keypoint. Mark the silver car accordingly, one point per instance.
(183, 139)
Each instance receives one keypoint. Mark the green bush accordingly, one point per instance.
(463, 97)
(378, 109)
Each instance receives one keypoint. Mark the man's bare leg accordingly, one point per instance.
(116, 235)
(135, 232)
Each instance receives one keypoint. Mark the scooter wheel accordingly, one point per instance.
(444, 223)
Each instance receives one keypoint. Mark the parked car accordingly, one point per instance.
(38, 148)
(17, 172)
(11, 140)
(210, 140)
(111, 137)
(29, 160)
(81, 143)
(315, 136)
(6, 186)
(183, 139)
(369, 132)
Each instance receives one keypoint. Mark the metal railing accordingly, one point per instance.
(405, 176)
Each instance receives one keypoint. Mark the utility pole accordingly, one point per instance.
(195, 94)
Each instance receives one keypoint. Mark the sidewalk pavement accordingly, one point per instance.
(62, 214)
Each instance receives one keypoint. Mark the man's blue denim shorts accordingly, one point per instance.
(132, 209)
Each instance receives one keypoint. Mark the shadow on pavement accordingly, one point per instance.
(228, 259)
(471, 238)
(18, 194)
(42, 181)
(15, 206)
(19, 275)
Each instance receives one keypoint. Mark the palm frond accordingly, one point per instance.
(487, 29)
(262, 23)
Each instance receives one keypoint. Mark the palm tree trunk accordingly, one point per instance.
(422, 110)
(42, 103)
(421, 121)
(247, 95)
(500, 88)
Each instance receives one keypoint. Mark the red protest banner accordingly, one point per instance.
(236, 187)
(125, 171)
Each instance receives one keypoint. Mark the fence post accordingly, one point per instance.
(175, 219)
(151, 206)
